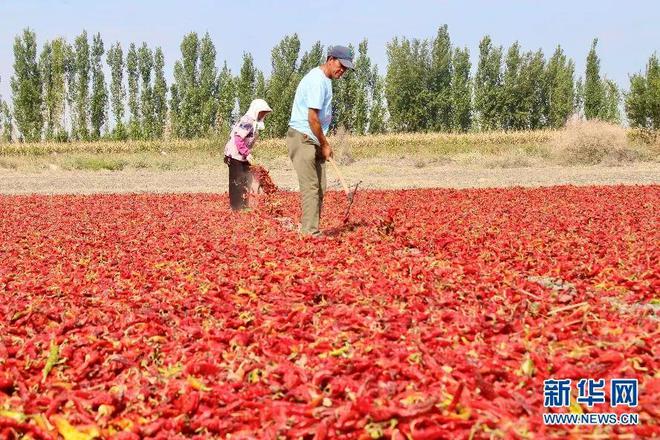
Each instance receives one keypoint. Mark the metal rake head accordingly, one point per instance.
(351, 198)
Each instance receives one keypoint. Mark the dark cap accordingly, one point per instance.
(343, 54)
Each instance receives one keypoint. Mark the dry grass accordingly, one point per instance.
(580, 143)
(110, 147)
(597, 142)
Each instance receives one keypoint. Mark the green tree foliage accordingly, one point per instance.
(377, 112)
(184, 90)
(194, 104)
(115, 60)
(344, 100)
(601, 96)
(594, 92)
(515, 87)
(653, 91)
(7, 122)
(70, 94)
(405, 85)
(561, 89)
(282, 84)
(418, 83)
(260, 87)
(45, 70)
(174, 116)
(461, 91)
(534, 73)
(159, 94)
(440, 81)
(578, 103)
(226, 99)
(488, 85)
(246, 83)
(133, 75)
(52, 67)
(636, 103)
(145, 68)
(81, 70)
(311, 59)
(364, 85)
(99, 98)
(611, 99)
(26, 87)
(642, 102)
(2, 114)
(524, 93)
(208, 86)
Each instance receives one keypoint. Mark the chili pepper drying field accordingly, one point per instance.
(432, 314)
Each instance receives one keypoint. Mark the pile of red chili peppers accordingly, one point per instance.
(437, 314)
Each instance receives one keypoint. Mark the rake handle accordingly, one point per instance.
(341, 177)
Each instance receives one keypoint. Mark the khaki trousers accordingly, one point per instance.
(310, 167)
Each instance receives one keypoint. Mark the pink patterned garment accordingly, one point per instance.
(242, 138)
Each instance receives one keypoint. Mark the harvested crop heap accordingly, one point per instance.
(438, 315)
(263, 177)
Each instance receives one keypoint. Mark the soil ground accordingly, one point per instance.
(374, 174)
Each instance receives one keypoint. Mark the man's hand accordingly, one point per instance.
(315, 124)
(326, 151)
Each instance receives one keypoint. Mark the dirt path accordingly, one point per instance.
(379, 174)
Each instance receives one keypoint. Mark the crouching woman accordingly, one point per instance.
(238, 152)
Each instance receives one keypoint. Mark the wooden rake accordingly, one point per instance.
(350, 194)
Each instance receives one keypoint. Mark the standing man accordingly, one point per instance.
(310, 119)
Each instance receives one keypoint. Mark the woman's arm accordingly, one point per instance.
(241, 145)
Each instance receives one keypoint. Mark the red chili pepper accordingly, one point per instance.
(8, 425)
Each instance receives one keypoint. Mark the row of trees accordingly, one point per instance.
(62, 93)
(643, 101)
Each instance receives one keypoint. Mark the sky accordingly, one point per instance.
(628, 32)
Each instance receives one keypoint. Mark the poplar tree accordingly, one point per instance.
(594, 92)
(226, 99)
(364, 84)
(636, 103)
(312, 58)
(57, 101)
(488, 85)
(578, 103)
(26, 87)
(538, 93)
(282, 84)
(440, 81)
(208, 86)
(377, 113)
(642, 102)
(2, 114)
(461, 91)
(561, 89)
(133, 76)
(246, 83)
(99, 98)
(260, 88)
(45, 71)
(159, 94)
(406, 80)
(611, 99)
(145, 67)
(81, 113)
(515, 98)
(345, 100)
(653, 91)
(194, 103)
(7, 122)
(115, 60)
